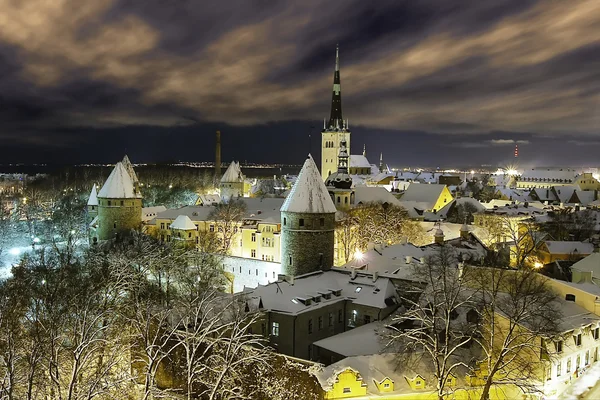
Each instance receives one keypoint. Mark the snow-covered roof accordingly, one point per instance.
(545, 194)
(568, 247)
(565, 192)
(515, 194)
(423, 193)
(549, 175)
(184, 223)
(149, 213)
(233, 174)
(330, 287)
(209, 199)
(309, 194)
(119, 185)
(369, 336)
(471, 201)
(590, 263)
(93, 199)
(359, 161)
(585, 197)
(369, 194)
(129, 167)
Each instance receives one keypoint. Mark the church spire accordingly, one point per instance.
(336, 99)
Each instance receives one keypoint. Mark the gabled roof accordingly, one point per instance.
(184, 223)
(584, 197)
(565, 192)
(93, 199)
(359, 161)
(309, 194)
(233, 174)
(119, 185)
(423, 193)
(129, 167)
(569, 247)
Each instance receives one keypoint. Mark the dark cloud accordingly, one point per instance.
(75, 73)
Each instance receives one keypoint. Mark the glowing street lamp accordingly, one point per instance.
(358, 255)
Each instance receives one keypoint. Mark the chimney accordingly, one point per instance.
(375, 275)
(353, 274)
(218, 155)
(464, 231)
(291, 280)
(408, 259)
(438, 237)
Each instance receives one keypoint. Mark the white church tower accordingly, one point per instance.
(336, 129)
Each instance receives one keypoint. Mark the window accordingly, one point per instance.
(109, 203)
(275, 329)
(122, 202)
(301, 222)
(253, 253)
(558, 369)
(322, 221)
(340, 319)
(559, 346)
(570, 297)
(577, 339)
(346, 390)
(284, 221)
(577, 362)
(162, 225)
(596, 333)
(168, 225)
(320, 323)
(115, 225)
(569, 365)
(211, 228)
(338, 199)
(367, 319)
(257, 272)
(330, 319)
(386, 385)
(310, 326)
(290, 260)
(263, 329)
(587, 357)
(253, 237)
(168, 238)
(189, 234)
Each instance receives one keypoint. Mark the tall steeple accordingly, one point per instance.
(335, 120)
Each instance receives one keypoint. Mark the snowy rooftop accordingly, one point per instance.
(549, 174)
(427, 194)
(184, 223)
(565, 192)
(589, 264)
(129, 167)
(149, 213)
(309, 194)
(368, 194)
(359, 161)
(345, 344)
(93, 199)
(233, 173)
(324, 288)
(118, 185)
(569, 247)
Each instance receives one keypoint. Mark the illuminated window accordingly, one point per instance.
(346, 390)
(275, 329)
(254, 237)
(358, 289)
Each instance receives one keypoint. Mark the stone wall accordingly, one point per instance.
(127, 217)
(249, 272)
(306, 248)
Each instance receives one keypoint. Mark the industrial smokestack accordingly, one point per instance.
(218, 156)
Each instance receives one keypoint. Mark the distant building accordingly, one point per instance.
(426, 197)
(546, 178)
(232, 182)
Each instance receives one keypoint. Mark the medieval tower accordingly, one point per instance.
(336, 129)
(119, 203)
(232, 182)
(307, 224)
(339, 183)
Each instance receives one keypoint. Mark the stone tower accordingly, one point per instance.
(307, 224)
(232, 182)
(92, 203)
(119, 203)
(339, 183)
(336, 129)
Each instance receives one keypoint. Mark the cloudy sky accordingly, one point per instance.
(427, 82)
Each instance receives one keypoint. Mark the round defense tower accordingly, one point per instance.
(307, 224)
(119, 205)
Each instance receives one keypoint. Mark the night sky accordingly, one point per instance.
(428, 82)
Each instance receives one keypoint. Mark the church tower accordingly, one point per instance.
(336, 129)
(307, 224)
(119, 203)
(339, 183)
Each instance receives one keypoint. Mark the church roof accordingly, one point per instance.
(359, 161)
(184, 223)
(233, 173)
(119, 185)
(93, 199)
(129, 168)
(309, 194)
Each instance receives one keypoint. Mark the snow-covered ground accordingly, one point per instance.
(579, 387)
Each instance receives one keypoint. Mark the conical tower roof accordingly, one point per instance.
(93, 199)
(119, 185)
(129, 167)
(233, 174)
(309, 194)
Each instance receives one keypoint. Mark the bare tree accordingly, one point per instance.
(517, 311)
(346, 236)
(435, 328)
(228, 216)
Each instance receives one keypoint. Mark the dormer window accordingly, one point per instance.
(358, 289)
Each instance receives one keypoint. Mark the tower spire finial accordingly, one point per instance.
(364, 149)
(336, 97)
(337, 56)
